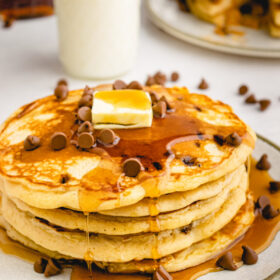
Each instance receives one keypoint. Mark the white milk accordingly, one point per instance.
(97, 38)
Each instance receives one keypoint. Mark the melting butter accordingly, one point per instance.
(122, 109)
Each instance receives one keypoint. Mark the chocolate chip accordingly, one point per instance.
(159, 109)
(61, 92)
(31, 143)
(85, 140)
(88, 91)
(161, 274)
(203, 84)
(106, 137)
(150, 81)
(219, 139)
(86, 127)
(58, 141)
(251, 99)
(64, 178)
(186, 229)
(263, 163)
(262, 202)
(233, 139)
(84, 114)
(249, 256)
(119, 84)
(264, 104)
(274, 186)
(86, 100)
(175, 76)
(160, 78)
(269, 212)
(135, 85)
(243, 89)
(52, 268)
(132, 167)
(40, 265)
(157, 165)
(188, 160)
(226, 262)
(168, 105)
(154, 97)
(62, 82)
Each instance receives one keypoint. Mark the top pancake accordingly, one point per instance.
(96, 181)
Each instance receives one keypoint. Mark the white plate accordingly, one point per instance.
(167, 16)
(13, 268)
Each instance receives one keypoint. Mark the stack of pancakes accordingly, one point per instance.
(190, 201)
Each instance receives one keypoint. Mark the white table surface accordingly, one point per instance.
(29, 69)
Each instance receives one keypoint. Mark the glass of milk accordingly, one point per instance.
(97, 38)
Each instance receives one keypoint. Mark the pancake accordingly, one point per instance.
(97, 223)
(96, 180)
(106, 248)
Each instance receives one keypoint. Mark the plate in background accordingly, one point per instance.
(167, 16)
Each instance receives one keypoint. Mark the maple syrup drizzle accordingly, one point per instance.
(258, 237)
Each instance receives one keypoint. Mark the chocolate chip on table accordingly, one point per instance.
(150, 81)
(161, 274)
(61, 92)
(40, 265)
(52, 268)
(132, 167)
(86, 101)
(243, 89)
(159, 109)
(154, 97)
(203, 84)
(85, 140)
(219, 139)
(264, 104)
(119, 84)
(233, 139)
(31, 143)
(135, 85)
(86, 127)
(160, 78)
(84, 114)
(174, 76)
(106, 137)
(58, 141)
(226, 262)
(249, 256)
(269, 212)
(274, 186)
(262, 202)
(263, 163)
(62, 82)
(251, 99)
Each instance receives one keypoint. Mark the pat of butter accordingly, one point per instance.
(122, 109)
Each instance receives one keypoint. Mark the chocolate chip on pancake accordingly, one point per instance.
(61, 92)
(87, 91)
(203, 84)
(186, 229)
(264, 104)
(119, 84)
(159, 109)
(263, 163)
(150, 81)
(157, 165)
(188, 160)
(249, 256)
(58, 141)
(269, 212)
(251, 99)
(84, 114)
(243, 89)
(233, 139)
(86, 100)
(219, 139)
(168, 105)
(31, 143)
(175, 76)
(154, 97)
(262, 202)
(62, 82)
(86, 127)
(52, 268)
(226, 262)
(85, 140)
(40, 265)
(64, 178)
(106, 137)
(161, 274)
(135, 85)
(274, 186)
(132, 167)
